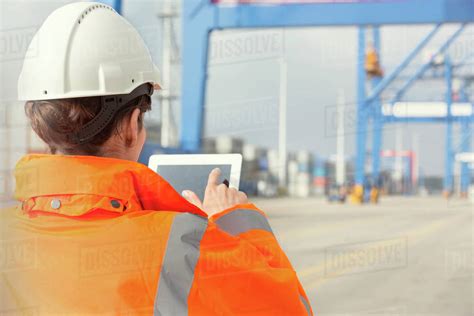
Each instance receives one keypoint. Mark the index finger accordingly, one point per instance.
(214, 177)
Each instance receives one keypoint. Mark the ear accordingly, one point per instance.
(132, 128)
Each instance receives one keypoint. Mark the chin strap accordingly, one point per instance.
(110, 105)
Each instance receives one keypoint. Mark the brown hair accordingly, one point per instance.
(54, 120)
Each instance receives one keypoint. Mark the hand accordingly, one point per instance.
(217, 197)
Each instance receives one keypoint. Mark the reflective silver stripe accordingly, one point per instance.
(306, 304)
(177, 272)
(240, 221)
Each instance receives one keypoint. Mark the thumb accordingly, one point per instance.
(192, 198)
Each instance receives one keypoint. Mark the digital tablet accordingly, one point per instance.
(191, 172)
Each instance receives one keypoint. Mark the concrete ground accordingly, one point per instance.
(404, 256)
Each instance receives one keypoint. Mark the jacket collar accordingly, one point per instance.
(56, 175)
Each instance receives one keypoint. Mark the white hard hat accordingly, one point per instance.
(85, 49)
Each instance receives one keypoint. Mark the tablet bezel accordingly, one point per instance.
(235, 161)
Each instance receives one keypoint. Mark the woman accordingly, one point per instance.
(98, 233)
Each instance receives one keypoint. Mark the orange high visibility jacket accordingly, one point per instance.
(106, 236)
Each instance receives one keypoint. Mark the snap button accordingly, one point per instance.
(55, 204)
(115, 203)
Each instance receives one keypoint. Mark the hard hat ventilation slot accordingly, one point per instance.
(84, 13)
(45, 91)
(133, 80)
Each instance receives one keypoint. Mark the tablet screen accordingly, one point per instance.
(191, 177)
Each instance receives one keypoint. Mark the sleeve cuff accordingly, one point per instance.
(241, 219)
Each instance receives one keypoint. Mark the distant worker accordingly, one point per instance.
(372, 63)
(98, 233)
